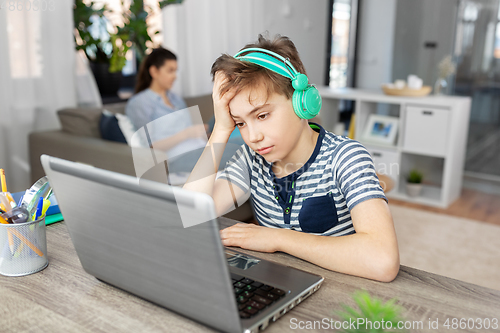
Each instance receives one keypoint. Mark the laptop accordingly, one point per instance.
(128, 233)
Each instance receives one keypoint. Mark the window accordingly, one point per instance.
(341, 17)
(23, 31)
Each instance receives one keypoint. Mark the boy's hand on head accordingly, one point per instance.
(223, 120)
(251, 237)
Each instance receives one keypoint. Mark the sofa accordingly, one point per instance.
(80, 140)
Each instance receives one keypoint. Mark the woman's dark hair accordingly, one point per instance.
(156, 58)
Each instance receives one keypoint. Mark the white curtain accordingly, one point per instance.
(199, 31)
(87, 92)
(36, 77)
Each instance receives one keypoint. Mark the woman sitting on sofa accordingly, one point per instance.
(155, 105)
(169, 128)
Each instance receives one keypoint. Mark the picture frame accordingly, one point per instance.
(381, 129)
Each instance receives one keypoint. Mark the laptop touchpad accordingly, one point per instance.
(240, 261)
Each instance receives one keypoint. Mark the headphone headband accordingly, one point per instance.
(306, 99)
(286, 61)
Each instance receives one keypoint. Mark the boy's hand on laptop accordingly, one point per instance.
(223, 120)
(251, 237)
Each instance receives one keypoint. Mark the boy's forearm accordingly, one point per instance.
(359, 254)
(202, 177)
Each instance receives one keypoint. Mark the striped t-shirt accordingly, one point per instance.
(318, 197)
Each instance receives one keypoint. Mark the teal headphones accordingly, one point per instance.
(306, 99)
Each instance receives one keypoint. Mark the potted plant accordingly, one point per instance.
(384, 317)
(414, 183)
(135, 26)
(106, 44)
(103, 46)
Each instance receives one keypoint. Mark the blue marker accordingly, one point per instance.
(39, 209)
(20, 201)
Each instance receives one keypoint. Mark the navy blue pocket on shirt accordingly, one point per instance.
(318, 214)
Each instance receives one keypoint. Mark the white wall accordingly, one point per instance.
(375, 43)
(199, 31)
(391, 41)
(418, 22)
(306, 23)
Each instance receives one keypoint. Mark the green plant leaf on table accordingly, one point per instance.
(372, 310)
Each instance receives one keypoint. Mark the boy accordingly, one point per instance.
(306, 184)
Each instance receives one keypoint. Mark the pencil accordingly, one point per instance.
(4, 183)
(27, 242)
(5, 204)
(9, 235)
(11, 199)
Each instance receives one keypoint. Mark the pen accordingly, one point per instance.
(46, 204)
(23, 239)
(5, 204)
(4, 188)
(39, 209)
(2, 178)
(11, 200)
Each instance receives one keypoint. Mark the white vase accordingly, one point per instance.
(413, 190)
(440, 87)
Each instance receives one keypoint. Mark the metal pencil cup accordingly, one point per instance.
(23, 248)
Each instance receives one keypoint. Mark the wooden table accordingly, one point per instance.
(63, 298)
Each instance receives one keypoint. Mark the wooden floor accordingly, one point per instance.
(472, 204)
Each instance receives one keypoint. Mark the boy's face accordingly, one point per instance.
(269, 127)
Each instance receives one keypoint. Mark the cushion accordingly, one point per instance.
(134, 138)
(80, 121)
(126, 126)
(109, 128)
(116, 108)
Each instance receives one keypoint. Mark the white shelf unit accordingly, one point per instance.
(432, 137)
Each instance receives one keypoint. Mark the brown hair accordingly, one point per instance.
(241, 74)
(156, 58)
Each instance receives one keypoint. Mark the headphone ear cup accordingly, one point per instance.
(300, 82)
(312, 101)
(307, 103)
(297, 104)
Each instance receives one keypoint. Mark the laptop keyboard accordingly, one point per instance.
(253, 296)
